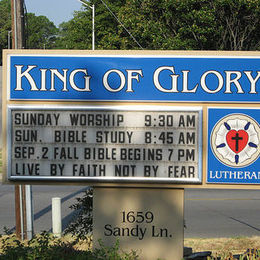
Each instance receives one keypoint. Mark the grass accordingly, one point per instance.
(223, 246)
(47, 244)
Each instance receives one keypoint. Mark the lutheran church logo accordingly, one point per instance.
(235, 140)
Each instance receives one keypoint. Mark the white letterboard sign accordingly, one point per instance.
(105, 144)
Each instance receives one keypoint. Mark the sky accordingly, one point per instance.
(57, 11)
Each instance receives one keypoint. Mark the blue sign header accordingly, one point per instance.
(134, 78)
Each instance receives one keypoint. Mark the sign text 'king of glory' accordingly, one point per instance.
(129, 78)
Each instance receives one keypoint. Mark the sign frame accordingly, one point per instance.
(173, 103)
(144, 109)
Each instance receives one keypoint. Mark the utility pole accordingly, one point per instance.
(18, 24)
(18, 42)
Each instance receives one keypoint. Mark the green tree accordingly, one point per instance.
(238, 24)
(77, 33)
(41, 33)
(165, 24)
(176, 24)
(193, 24)
(5, 24)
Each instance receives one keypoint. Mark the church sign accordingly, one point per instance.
(177, 118)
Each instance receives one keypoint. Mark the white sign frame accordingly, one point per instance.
(105, 179)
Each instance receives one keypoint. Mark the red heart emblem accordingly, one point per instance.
(237, 140)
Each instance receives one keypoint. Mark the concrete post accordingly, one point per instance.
(56, 217)
(29, 211)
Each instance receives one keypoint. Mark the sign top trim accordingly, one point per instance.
(131, 52)
(126, 56)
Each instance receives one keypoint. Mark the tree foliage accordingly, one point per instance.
(238, 23)
(175, 24)
(160, 25)
(41, 33)
(77, 33)
(5, 24)
(194, 24)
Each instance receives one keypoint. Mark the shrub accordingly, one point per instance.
(82, 223)
(46, 247)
